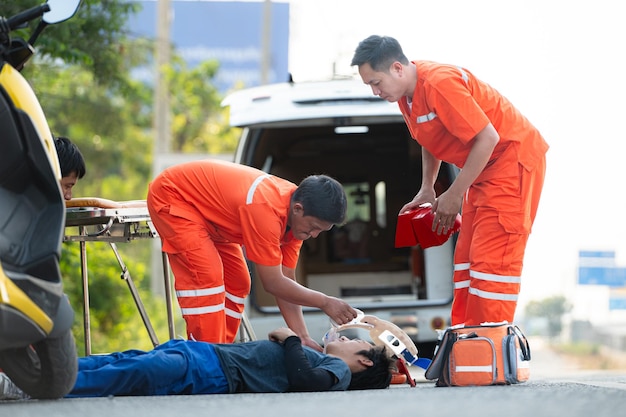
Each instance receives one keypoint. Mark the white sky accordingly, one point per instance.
(560, 62)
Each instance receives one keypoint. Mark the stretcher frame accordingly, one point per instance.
(102, 220)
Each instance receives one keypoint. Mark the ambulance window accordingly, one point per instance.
(380, 192)
(349, 242)
(358, 201)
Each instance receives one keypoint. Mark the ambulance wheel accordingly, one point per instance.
(47, 370)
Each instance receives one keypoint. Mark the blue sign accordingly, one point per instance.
(599, 268)
(596, 254)
(617, 303)
(597, 275)
(229, 32)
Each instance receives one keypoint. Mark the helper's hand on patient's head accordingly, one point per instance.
(280, 334)
(338, 310)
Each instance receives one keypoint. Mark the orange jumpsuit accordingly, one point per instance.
(448, 109)
(206, 212)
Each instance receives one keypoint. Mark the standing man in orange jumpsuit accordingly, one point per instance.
(459, 119)
(208, 212)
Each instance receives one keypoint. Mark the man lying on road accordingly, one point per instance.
(179, 367)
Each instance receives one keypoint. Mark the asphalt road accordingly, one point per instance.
(556, 388)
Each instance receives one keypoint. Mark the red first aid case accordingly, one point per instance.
(415, 227)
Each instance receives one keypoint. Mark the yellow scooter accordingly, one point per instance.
(37, 347)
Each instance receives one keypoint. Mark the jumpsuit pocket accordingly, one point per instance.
(515, 222)
(179, 232)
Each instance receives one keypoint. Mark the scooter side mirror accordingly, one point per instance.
(60, 10)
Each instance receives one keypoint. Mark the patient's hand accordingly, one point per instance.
(280, 334)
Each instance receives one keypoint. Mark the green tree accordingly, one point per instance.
(192, 99)
(81, 75)
(199, 124)
(110, 126)
(94, 38)
(552, 309)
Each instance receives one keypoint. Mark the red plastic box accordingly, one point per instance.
(415, 228)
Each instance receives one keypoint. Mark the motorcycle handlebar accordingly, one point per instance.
(27, 15)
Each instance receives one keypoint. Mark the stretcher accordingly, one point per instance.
(102, 220)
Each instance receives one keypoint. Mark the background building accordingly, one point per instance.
(250, 40)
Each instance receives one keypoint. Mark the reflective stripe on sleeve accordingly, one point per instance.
(426, 117)
(463, 74)
(253, 188)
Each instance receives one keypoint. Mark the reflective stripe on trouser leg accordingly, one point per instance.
(196, 266)
(495, 269)
(499, 236)
(234, 313)
(461, 286)
(492, 297)
(461, 270)
(200, 290)
(497, 218)
(237, 283)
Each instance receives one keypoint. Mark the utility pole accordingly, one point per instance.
(161, 123)
(266, 42)
(161, 96)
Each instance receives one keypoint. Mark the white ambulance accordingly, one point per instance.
(340, 129)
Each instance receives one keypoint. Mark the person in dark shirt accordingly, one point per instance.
(280, 364)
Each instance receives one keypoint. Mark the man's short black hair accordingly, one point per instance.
(378, 375)
(379, 52)
(70, 157)
(322, 197)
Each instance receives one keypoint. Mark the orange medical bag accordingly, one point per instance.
(489, 354)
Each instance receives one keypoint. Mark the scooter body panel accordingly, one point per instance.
(32, 219)
(37, 347)
(24, 98)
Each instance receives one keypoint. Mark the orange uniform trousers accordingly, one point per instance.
(212, 278)
(489, 252)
